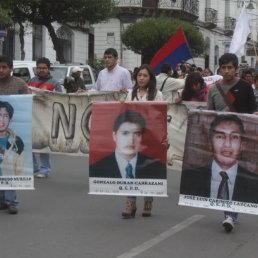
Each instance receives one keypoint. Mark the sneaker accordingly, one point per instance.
(12, 209)
(228, 224)
(40, 175)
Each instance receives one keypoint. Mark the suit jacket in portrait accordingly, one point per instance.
(146, 167)
(197, 181)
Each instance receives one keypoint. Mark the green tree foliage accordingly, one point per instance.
(146, 37)
(97, 63)
(74, 12)
(5, 19)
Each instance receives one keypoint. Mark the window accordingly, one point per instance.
(65, 36)
(37, 42)
(8, 44)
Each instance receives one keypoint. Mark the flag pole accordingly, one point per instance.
(193, 61)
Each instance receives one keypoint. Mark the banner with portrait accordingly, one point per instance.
(61, 123)
(128, 144)
(220, 165)
(16, 171)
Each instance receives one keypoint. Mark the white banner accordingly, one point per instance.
(216, 204)
(122, 186)
(61, 123)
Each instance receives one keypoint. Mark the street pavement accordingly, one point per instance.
(59, 219)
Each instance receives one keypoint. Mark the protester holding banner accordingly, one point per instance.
(247, 75)
(207, 72)
(195, 89)
(143, 90)
(235, 95)
(43, 81)
(74, 82)
(168, 85)
(113, 77)
(9, 85)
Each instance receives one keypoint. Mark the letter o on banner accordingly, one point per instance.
(85, 122)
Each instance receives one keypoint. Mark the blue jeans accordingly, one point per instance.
(146, 198)
(233, 215)
(8, 197)
(44, 163)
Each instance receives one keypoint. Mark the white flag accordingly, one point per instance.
(241, 32)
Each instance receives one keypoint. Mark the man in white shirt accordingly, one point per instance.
(113, 77)
(168, 85)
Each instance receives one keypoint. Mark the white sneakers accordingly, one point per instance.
(40, 175)
(228, 224)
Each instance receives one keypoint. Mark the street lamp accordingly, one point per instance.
(250, 6)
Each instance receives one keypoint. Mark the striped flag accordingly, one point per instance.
(173, 52)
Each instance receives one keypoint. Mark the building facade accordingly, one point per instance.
(215, 19)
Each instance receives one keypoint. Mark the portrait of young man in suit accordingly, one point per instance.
(126, 161)
(224, 178)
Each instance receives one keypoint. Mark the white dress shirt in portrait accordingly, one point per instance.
(216, 179)
(122, 163)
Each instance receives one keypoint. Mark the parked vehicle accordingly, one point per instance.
(28, 69)
(24, 69)
(60, 72)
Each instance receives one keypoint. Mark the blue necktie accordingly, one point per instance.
(129, 171)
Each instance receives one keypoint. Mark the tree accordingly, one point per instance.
(74, 12)
(146, 37)
(97, 63)
(5, 19)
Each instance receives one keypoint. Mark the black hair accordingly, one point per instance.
(131, 117)
(245, 72)
(210, 71)
(223, 118)
(8, 106)
(193, 78)
(111, 51)
(199, 69)
(165, 68)
(43, 60)
(150, 87)
(6, 59)
(228, 57)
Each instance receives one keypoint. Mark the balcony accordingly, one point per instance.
(183, 9)
(211, 17)
(230, 24)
